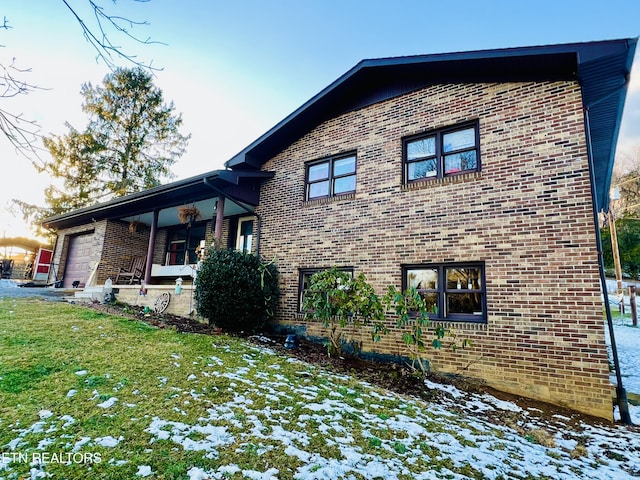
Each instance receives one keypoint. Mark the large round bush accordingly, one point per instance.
(236, 291)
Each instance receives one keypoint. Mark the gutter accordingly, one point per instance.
(621, 393)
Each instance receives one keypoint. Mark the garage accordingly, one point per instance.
(79, 260)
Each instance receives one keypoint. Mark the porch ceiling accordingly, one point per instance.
(169, 216)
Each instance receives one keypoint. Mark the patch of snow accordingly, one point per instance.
(71, 393)
(43, 414)
(197, 473)
(144, 471)
(628, 348)
(270, 474)
(81, 372)
(108, 403)
(81, 443)
(68, 420)
(108, 441)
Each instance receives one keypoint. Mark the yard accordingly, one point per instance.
(85, 394)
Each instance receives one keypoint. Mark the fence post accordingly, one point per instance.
(632, 302)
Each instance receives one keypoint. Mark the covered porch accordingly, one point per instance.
(166, 230)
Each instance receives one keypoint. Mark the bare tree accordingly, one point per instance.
(24, 134)
(98, 35)
(626, 183)
(21, 133)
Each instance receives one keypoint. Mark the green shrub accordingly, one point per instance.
(340, 300)
(236, 291)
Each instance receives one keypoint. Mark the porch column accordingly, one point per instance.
(217, 233)
(152, 242)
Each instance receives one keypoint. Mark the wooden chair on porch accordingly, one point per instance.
(135, 272)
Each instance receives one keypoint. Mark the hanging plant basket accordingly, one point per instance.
(133, 226)
(189, 214)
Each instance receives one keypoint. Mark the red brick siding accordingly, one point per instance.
(527, 215)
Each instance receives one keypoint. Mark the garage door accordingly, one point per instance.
(79, 260)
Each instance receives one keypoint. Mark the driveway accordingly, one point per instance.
(12, 289)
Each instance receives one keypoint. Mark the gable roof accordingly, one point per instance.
(602, 69)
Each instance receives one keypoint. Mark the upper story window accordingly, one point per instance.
(440, 153)
(331, 176)
(452, 291)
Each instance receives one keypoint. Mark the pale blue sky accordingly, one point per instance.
(234, 69)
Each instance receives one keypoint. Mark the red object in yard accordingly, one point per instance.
(42, 264)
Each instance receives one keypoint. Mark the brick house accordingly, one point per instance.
(475, 177)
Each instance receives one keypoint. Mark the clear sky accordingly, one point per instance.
(235, 68)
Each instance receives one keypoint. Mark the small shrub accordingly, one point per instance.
(339, 300)
(412, 316)
(236, 291)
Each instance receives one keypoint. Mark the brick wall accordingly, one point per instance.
(120, 246)
(527, 215)
(61, 250)
(179, 304)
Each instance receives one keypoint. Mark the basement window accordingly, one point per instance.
(453, 292)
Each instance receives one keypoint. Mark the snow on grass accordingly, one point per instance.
(249, 412)
(628, 347)
(110, 402)
(144, 471)
(408, 431)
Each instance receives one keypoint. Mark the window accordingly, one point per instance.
(305, 280)
(182, 244)
(451, 291)
(244, 239)
(331, 177)
(442, 153)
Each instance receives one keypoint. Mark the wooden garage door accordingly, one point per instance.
(79, 260)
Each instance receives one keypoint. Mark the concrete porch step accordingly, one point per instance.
(93, 293)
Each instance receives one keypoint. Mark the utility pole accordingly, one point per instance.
(615, 195)
(616, 259)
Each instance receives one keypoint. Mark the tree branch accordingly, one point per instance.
(22, 134)
(106, 50)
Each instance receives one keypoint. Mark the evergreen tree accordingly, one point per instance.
(130, 143)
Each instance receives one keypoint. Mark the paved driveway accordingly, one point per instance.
(11, 289)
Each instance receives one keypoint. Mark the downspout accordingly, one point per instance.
(621, 393)
(241, 204)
